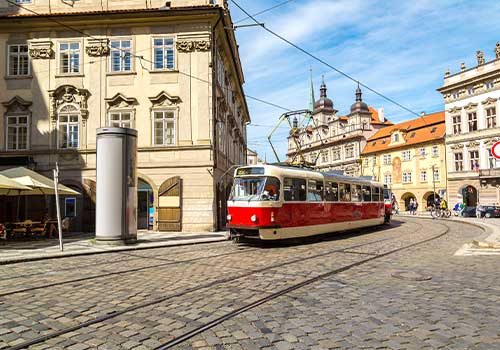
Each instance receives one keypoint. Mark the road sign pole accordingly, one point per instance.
(58, 209)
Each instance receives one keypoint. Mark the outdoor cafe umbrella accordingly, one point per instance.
(11, 187)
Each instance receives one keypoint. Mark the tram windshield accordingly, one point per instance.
(255, 189)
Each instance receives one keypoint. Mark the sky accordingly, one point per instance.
(398, 48)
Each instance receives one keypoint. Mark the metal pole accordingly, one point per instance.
(56, 190)
(434, 185)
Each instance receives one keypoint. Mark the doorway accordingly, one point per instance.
(145, 208)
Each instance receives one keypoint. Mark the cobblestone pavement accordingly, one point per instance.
(144, 299)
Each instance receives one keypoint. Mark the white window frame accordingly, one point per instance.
(349, 151)
(164, 53)
(17, 126)
(406, 155)
(71, 54)
(388, 179)
(436, 175)
(67, 125)
(473, 121)
(423, 175)
(23, 1)
(407, 177)
(422, 152)
(456, 122)
(491, 120)
(122, 50)
(120, 121)
(458, 163)
(164, 119)
(435, 151)
(19, 55)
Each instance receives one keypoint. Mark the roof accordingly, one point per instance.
(423, 129)
(376, 118)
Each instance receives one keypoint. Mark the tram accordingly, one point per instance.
(270, 202)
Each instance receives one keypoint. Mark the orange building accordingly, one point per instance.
(410, 158)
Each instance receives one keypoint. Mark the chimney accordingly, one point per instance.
(381, 116)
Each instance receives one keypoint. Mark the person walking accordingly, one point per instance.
(415, 207)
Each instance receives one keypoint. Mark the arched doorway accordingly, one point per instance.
(170, 205)
(405, 200)
(469, 196)
(89, 198)
(145, 207)
(430, 198)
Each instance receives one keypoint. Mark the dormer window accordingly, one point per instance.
(395, 138)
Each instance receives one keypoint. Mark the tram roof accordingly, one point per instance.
(294, 171)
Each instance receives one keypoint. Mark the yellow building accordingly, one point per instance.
(410, 158)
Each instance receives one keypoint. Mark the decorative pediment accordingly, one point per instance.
(41, 49)
(68, 94)
(97, 47)
(454, 110)
(471, 106)
(17, 104)
(492, 141)
(489, 101)
(119, 101)
(458, 146)
(193, 45)
(473, 144)
(163, 99)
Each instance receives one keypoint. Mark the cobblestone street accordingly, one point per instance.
(392, 287)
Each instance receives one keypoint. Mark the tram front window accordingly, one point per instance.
(255, 189)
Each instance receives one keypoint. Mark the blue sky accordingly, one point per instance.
(399, 48)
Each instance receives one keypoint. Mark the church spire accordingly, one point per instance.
(322, 89)
(311, 92)
(358, 94)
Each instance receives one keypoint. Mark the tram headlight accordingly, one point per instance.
(229, 217)
(253, 218)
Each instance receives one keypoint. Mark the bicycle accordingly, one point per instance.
(440, 213)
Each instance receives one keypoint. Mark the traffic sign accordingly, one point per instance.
(495, 150)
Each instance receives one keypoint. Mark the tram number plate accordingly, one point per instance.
(250, 171)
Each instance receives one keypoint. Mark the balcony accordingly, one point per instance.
(489, 173)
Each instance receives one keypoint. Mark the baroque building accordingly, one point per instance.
(410, 158)
(472, 105)
(170, 69)
(330, 142)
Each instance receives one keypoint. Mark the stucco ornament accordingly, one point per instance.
(189, 46)
(68, 94)
(41, 49)
(497, 50)
(462, 66)
(185, 46)
(480, 58)
(203, 45)
(447, 73)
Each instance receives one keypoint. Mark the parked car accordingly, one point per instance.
(489, 211)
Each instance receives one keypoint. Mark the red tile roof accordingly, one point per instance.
(423, 129)
(376, 118)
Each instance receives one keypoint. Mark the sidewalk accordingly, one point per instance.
(490, 245)
(12, 251)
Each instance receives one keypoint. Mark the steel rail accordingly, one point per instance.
(182, 338)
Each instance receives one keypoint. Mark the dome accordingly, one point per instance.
(359, 105)
(324, 104)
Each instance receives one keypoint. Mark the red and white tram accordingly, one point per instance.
(278, 202)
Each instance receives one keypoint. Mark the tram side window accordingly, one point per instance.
(356, 193)
(376, 194)
(332, 192)
(294, 189)
(367, 195)
(315, 191)
(345, 192)
(380, 194)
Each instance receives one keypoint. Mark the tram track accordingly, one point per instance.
(200, 329)
(160, 300)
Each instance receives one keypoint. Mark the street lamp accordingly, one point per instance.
(434, 186)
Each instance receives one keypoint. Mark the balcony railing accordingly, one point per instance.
(495, 172)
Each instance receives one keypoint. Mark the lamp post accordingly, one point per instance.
(434, 186)
(56, 191)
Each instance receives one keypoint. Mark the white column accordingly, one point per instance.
(466, 159)
(481, 117)
(483, 155)
(497, 111)
(463, 116)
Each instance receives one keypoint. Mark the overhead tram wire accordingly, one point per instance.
(141, 58)
(264, 11)
(324, 62)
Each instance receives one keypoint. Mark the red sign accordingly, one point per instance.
(495, 150)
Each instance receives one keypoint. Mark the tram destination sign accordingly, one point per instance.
(250, 171)
(495, 150)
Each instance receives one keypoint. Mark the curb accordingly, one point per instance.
(117, 250)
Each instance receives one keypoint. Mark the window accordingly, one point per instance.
(388, 179)
(164, 128)
(120, 119)
(315, 191)
(395, 137)
(489, 85)
(356, 193)
(423, 176)
(332, 192)
(18, 61)
(349, 151)
(407, 177)
(436, 175)
(376, 194)
(68, 127)
(23, 1)
(492, 161)
(345, 192)
(374, 161)
(121, 55)
(17, 132)
(435, 151)
(69, 58)
(367, 193)
(459, 161)
(324, 156)
(491, 116)
(457, 124)
(336, 154)
(470, 91)
(294, 189)
(474, 160)
(70, 207)
(456, 95)
(422, 152)
(472, 117)
(406, 155)
(387, 159)
(163, 53)
(366, 162)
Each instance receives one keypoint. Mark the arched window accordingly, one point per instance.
(69, 126)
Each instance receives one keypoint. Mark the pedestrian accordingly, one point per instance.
(478, 211)
(415, 204)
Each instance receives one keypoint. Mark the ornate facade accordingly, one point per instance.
(334, 143)
(472, 106)
(171, 72)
